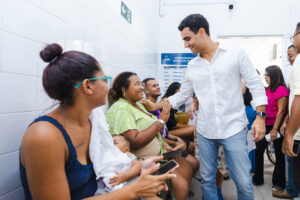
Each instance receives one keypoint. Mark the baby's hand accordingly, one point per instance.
(117, 180)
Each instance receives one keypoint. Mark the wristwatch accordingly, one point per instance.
(161, 121)
(262, 114)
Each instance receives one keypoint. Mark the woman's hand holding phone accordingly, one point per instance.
(180, 143)
(148, 185)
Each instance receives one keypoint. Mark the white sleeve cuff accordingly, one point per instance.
(259, 101)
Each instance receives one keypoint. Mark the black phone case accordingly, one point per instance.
(172, 154)
(296, 147)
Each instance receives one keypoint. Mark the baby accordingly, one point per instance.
(118, 175)
(130, 174)
(113, 164)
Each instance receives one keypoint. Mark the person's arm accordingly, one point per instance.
(121, 177)
(179, 125)
(176, 100)
(43, 154)
(146, 185)
(282, 111)
(283, 126)
(252, 80)
(186, 91)
(192, 110)
(292, 127)
(140, 139)
(43, 151)
(257, 90)
(258, 128)
(186, 132)
(293, 122)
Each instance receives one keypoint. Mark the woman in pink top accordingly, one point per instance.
(276, 110)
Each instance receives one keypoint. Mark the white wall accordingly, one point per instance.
(254, 18)
(93, 26)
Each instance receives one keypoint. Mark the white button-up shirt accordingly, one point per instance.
(217, 85)
(295, 87)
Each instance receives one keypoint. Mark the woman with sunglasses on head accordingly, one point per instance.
(54, 154)
(130, 118)
(276, 111)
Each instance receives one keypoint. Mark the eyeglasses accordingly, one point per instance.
(96, 78)
(292, 38)
(139, 84)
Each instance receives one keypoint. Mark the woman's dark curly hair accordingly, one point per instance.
(121, 81)
(172, 89)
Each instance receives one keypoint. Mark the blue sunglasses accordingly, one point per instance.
(91, 79)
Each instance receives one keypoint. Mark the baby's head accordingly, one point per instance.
(122, 143)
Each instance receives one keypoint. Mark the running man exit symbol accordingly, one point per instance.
(126, 12)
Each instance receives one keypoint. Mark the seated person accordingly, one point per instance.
(128, 117)
(181, 130)
(54, 154)
(152, 92)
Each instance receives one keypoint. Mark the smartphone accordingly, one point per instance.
(172, 154)
(269, 139)
(296, 147)
(166, 168)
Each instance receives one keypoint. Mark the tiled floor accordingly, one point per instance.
(229, 191)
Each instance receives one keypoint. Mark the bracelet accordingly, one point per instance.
(161, 121)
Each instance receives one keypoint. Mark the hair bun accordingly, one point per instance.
(50, 52)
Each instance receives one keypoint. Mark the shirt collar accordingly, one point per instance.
(222, 46)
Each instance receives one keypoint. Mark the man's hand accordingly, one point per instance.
(192, 111)
(287, 146)
(258, 129)
(150, 106)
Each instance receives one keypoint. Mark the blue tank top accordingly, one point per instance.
(81, 178)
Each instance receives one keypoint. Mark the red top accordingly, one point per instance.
(272, 107)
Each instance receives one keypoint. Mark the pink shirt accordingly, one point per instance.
(272, 107)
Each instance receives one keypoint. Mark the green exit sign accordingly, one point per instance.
(126, 12)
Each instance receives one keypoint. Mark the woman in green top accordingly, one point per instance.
(128, 117)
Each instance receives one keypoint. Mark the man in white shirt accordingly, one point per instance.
(291, 141)
(290, 189)
(291, 53)
(215, 76)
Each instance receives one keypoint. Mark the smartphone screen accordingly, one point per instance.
(169, 166)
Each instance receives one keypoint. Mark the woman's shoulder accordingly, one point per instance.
(119, 109)
(44, 139)
(42, 132)
(141, 106)
(118, 105)
(282, 89)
